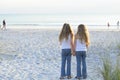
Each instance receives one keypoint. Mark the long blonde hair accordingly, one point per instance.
(65, 32)
(83, 34)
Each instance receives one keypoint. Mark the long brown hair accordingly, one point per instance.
(66, 30)
(83, 34)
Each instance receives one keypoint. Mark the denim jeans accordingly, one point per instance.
(81, 69)
(66, 58)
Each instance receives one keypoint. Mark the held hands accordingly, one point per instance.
(73, 53)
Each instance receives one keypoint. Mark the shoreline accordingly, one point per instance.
(56, 28)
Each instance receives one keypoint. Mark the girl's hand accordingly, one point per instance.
(73, 53)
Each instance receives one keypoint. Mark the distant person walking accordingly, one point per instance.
(108, 24)
(4, 25)
(0, 26)
(118, 25)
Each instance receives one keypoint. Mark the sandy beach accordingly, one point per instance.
(35, 54)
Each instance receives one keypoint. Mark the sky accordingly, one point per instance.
(60, 6)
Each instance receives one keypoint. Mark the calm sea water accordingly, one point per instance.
(58, 19)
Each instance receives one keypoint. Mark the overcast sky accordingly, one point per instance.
(60, 6)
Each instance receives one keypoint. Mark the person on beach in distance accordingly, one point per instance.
(81, 44)
(66, 41)
(108, 24)
(4, 25)
(118, 25)
(0, 26)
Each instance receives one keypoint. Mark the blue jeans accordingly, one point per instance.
(81, 69)
(66, 57)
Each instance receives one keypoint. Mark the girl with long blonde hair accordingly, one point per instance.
(81, 44)
(66, 42)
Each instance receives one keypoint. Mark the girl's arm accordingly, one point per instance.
(73, 47)
(75, 44)
(72, 44)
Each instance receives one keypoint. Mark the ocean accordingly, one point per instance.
(57, 20)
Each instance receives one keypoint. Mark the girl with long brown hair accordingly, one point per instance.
(66, 42)
(81, 44)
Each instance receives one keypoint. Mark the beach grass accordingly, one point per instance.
(110, 71)
(106, 70)
(118, 46)
(116, 72)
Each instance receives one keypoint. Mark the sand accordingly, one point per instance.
(35, 54)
